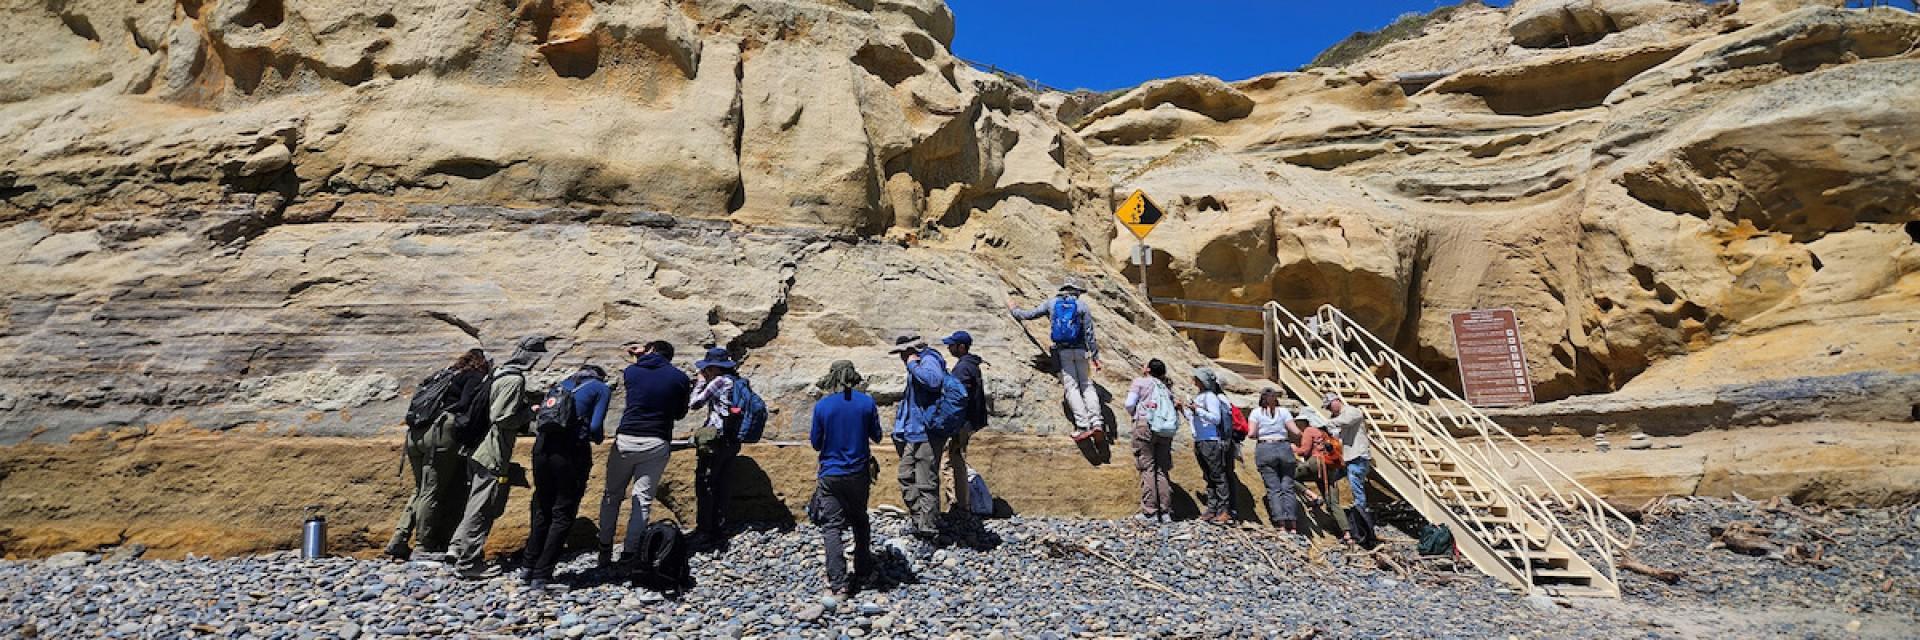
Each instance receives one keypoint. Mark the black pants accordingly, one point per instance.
(1216, 463)
(710, 488)
(840, 502)
(560, 468)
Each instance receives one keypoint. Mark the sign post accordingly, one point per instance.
(1493, 364)
(1139, 214)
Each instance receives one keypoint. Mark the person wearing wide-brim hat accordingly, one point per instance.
(845, 425)
(1076, 351)
(915, 437)
(715, 445)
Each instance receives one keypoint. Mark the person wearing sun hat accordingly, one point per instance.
(715, 446)
(914, 437)
(1076, 351)
(845, 425)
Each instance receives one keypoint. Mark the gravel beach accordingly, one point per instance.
(1019, 577)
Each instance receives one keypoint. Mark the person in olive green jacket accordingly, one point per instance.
(488, 462)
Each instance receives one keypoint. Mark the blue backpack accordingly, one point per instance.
(748, 410)
(1067, 331)
(950, 410)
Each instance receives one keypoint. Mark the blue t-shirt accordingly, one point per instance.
(844, 426)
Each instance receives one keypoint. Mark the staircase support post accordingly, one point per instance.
(1269, 347)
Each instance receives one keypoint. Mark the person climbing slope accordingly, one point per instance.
(1076, 351)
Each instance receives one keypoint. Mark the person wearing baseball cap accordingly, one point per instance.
(1076, 351)
(966, 367)
(1350, 425)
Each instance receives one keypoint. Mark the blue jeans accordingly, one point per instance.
(1357, 475)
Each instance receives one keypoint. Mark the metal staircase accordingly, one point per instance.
(1516, 516)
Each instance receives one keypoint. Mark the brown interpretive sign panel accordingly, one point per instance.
(1493, 363)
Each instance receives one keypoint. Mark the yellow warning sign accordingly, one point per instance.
(1139, 214)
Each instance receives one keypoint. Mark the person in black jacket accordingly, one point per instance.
(439, 476)
(966, 367)
(657, 395)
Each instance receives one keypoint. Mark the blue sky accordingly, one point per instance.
(1091, 44)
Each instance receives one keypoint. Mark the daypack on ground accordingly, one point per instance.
(979, 499)
(661, 563)
(1162, 419)
(1436, 540)
(556, 414)
(1067, 331)
(747, 412)
(429, 400)
(950, 411)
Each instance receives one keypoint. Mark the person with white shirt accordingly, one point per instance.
(1273, 430)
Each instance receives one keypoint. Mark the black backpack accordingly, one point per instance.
(555, 415)
(429, 400)
(1436, 540)
(661, 564)
(1362, 528)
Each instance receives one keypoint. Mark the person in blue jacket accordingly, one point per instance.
(919, 447)
(561, 463)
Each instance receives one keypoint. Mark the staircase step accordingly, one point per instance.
(1538, 557)
(1562, 574)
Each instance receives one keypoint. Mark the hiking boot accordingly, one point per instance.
(1166, 518)
(606, 556)
(1148, 519)
(398, 551)
(485, 573)
(537, 584)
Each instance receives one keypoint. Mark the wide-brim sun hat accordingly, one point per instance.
(716, 357)
(908, 343)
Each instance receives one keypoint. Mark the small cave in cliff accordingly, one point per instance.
(1913, 231)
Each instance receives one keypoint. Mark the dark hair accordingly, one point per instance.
(1270, 395)
(661, 347)
(472, 360)
(1156, 368)
(594, 370)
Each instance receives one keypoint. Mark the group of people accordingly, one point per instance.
(464, 420)
(1298, 454)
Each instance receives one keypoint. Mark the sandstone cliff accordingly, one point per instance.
(257, 212)
(1671, 194)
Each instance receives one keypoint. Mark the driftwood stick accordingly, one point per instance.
(1668, 576)
(1144, 579)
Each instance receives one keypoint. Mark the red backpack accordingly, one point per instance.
(1241, 428)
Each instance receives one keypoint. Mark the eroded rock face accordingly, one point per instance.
(765, 113)
(1684, 201)
(284, 214)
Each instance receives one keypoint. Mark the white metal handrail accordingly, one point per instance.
(1399, 393)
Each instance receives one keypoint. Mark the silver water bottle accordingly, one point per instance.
(313, 537)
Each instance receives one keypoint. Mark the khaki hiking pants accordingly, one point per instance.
(957, 470)
(486, 500)
(1076, 376)
(920, 481)
(1153, 458)
(439, 488)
